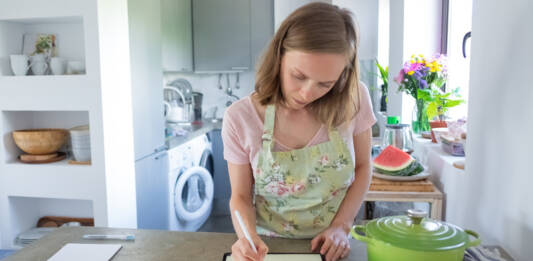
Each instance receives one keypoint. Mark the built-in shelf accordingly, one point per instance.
(24, 212)
(59, 181)
(20, 120)
(69, 39)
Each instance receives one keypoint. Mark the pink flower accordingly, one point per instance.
(295, 188)
(276, 188)
(324, 160)
(399, 78)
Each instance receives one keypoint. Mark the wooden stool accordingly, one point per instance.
(407, 191)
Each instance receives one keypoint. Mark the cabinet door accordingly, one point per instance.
(221, 33)
(146, 76)
(176, 35)
(151, 174)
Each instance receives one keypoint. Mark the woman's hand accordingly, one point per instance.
(242, 250)
(332, 242)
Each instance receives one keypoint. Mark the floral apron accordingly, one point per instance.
(298, 192)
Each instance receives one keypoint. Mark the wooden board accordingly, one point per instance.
(378, 184)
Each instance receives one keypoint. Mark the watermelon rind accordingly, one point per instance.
(414, 168)
(392, 151)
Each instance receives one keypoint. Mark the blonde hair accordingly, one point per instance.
(315, 28)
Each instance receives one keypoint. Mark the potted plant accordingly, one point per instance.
(418, 78)
(438, 104)
(384, 76)
(44, 44)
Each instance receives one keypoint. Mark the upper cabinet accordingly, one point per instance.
(221, 35)
(214, 35)
(176, 35)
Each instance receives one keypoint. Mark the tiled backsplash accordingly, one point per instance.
(208, 85)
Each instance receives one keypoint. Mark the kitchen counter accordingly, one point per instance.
(193, 131)
(164, 245)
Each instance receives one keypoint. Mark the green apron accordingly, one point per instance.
(298, 192)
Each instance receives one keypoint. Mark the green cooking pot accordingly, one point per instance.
(414, 237)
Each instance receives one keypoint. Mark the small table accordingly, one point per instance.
(434, 198)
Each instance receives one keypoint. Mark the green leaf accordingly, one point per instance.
(432, 110)
(453, 103)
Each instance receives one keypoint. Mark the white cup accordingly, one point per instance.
(57, 66)
(75, 67)
(19, 64)
(38, 64)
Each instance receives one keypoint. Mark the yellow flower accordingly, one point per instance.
(410, 72)
(289, 180)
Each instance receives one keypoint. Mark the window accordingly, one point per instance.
(459, 27)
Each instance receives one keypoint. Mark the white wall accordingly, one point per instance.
(283, 8)
(366, 14)
(495, 197)
(415, 28)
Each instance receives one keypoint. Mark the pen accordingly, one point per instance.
(244, 230)
(112, 237)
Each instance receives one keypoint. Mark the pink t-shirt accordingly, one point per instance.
(242, 130)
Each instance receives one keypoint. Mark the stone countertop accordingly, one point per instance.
(165, 245)
(193, 131)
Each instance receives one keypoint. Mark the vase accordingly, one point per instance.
(420, 119)
(383, 101)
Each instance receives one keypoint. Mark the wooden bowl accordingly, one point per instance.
(40, 141)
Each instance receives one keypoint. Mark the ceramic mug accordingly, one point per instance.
(57, 66)
(38, 64)
(75, 67)
(19, 64)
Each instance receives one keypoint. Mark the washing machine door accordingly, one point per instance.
(193, 194)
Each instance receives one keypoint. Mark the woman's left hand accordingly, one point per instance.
(332, 242)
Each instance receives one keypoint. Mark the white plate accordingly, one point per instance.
(422, 175)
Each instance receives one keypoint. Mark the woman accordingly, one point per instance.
(298, 148)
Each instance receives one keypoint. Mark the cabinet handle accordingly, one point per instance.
(240, 68)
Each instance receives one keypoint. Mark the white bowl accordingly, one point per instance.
(82, 130)
(82, 154)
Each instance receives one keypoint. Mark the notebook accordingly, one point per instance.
(285, 257)
(86, 252)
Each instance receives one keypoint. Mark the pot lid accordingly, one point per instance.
(416, 232)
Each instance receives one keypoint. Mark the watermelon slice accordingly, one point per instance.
(392, 159)
(413, 169)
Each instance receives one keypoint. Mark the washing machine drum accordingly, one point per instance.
(193, 194)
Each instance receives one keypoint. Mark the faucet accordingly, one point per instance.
(229, 91)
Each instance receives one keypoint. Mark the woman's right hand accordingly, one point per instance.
(242, 250)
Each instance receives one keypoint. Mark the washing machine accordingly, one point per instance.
(191, 186)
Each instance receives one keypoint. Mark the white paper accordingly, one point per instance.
(289, 257)
(86, 252)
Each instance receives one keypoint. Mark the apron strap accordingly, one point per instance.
(335, 137)
(268, 130)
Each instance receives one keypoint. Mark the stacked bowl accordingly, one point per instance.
(80, 140)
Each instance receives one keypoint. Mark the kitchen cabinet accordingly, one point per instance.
(146, 77)
(214, 36)
(152, 191)
(221, 33)
(220, 175)
(176, 35)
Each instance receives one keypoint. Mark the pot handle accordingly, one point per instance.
(474, 242)
(356, 230)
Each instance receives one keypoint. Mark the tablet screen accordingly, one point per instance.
(285, 257)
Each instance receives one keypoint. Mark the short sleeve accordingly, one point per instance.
(365, 118)
(234, 151)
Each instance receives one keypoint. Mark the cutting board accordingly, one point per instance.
(378, 184)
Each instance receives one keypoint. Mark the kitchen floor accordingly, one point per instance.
(218, 223)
